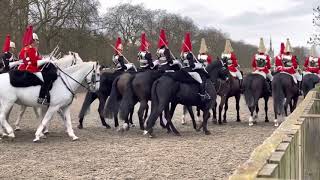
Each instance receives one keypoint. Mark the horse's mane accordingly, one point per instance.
(77, 66)
(214, 65)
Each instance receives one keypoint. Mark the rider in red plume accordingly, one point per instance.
(312, 62)
(203, 56)
(261, 63)
(163, 52)
(286, 62)
(118, 58)
(232, 61)
(32, 62)
(144, 56)
(6, 45)
(194, 68)
(8, 57)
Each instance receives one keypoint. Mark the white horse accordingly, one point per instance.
(66, 61)
(62, 93)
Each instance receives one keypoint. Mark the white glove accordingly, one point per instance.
(42, 62)
(15, 63)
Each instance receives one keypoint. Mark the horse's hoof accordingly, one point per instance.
(17, 129)
(224, 121)
(250, 124)
(46, 133)
(4, 135)
(11, 136)
(255, 122)
(266, 120)
(276, 124)
(207, 132)
(145, 132)
(43, 136)
(107, 126)
(238, 120)
(183, 123)
(75, 138)
(36, 140)
(132, 125)
(80, 126)
(177, 134)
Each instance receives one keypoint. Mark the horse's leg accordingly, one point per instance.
(155, 113)
(225, 110)
(206, 116)
(192, 117)
(146, 112)
(237, 106)
(90, 97)
(5, 108)
(67, 123)
(251, 118)
(257, 111)
(142, 109)
(130, 118)
(50, 112)
(183, 120)
(214, 112)
(102, 102)
(17, 123)
(266, 99)
(222, 102)
(171, 112)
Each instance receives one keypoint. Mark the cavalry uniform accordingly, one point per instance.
(163, 52)
(203, 56)
(193, 67)
(118, 58)
(312, 63)
(144, 56)
(32, 61)
(261, 62)
(286, 62)
(8, 58)
(232, 61)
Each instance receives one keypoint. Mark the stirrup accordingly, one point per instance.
(205, 96)
(43, 101)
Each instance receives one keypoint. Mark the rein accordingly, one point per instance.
(73, 80)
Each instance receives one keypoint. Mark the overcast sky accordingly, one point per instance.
(246, 20)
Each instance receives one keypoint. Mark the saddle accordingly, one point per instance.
(181, 76)
(23, 79)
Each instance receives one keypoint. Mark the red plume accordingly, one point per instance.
(29, 38)
(187, 45)
(24, 38)
(282, 47)
(162, 39)
(144, 42)
(118, 45)
(6, 45)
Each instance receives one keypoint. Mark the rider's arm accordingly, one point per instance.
(254, 63)
(168, 55)
(294, 62)
(234, 60)
(121, 61)
(268, 62)
(209, 59)
(306, 63)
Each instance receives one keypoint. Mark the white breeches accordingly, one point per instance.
(296, 77)
(39, 75)
(307, 72)
(268, 76)
(196, 76)
(237, 74)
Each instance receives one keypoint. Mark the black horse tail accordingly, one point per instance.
(248, 93)
(128, 100)
(278, 96)
(112, 105)
(154, 95)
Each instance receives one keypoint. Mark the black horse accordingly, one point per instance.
(308, 82)
(255, 87)
(102, 94)
(284, 92)
(167, 90)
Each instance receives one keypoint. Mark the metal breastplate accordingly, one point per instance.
(287, 60)
(261, 60)
(160, 54)
(313, 62)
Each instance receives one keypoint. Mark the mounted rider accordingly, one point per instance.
(287, 63)
(203, 56)
(8, 57)
(312, 63)
(118, 59)
(32, 62)
(232, 62)
(144, 56)
(194, 68)
(261, 63)
(163, 54)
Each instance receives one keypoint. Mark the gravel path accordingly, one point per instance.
(105, 154)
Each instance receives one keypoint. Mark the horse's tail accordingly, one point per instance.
(154, 95)
(278, 95)
(128, 100)
(248, 93)
(112, 105)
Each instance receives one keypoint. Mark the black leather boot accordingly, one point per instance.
(203, 93)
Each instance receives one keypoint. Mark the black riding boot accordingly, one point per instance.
(241, 85)
(203, 93)
(269, 87)
(300, 88)
(44, 96)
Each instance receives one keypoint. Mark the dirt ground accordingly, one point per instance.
(107, 154)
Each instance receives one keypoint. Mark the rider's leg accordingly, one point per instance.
(239, 76)
(203, 94)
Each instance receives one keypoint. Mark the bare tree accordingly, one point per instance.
(315, 38)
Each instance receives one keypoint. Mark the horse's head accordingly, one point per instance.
(93, 77)
(218, 69)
